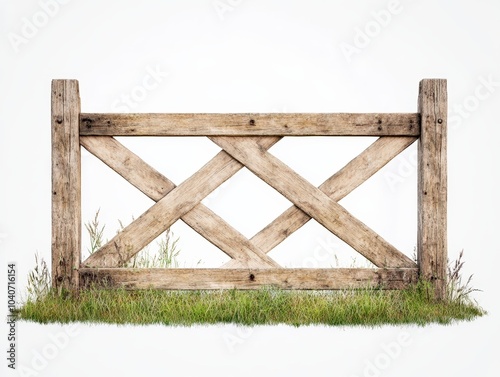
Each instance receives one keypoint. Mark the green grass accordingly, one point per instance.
(260, 307)
(363, 307)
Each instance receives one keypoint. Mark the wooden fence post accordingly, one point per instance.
(66, 185)
(432, 185)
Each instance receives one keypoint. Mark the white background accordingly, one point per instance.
(255, 56)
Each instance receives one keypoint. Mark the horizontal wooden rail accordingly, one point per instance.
(284, 278)
(298, 124)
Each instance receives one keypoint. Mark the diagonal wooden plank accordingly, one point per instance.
(169, 209)
(358, 170)
(313, 201)
(225, 237)
(339, 185)
(128, 165)
(155, 185)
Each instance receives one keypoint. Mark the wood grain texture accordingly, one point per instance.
(66, 185)
(284, 278)
(313, 201)
(298, 124)
(128, 165)
(179, 201)
(432, 184)
(358, 170)
(155, 185)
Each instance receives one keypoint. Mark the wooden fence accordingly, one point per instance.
(244, 140)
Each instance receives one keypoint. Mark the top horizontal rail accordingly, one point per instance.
(245, 124)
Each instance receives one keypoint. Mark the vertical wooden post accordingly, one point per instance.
(66, 185)
(432, 184)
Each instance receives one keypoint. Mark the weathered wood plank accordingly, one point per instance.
(128, 165)
(227, 239)
(66, 185)
(313, 201)
(298, 124)
(339, 185)
(170, 208)
(285, 278)
(432, 184)
(155, 185)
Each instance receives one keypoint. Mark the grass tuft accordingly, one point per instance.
(165, 257)
(456, 288)
(95, 232)
(39, 280)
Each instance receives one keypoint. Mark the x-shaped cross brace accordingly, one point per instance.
(184, 201)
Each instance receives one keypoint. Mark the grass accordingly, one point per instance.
(368, 307)
(39, 283)
(165, 256)
(268, 306)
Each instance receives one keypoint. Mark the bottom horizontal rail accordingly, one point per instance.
(241, 278)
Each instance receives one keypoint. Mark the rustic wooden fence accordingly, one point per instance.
(244, 140)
